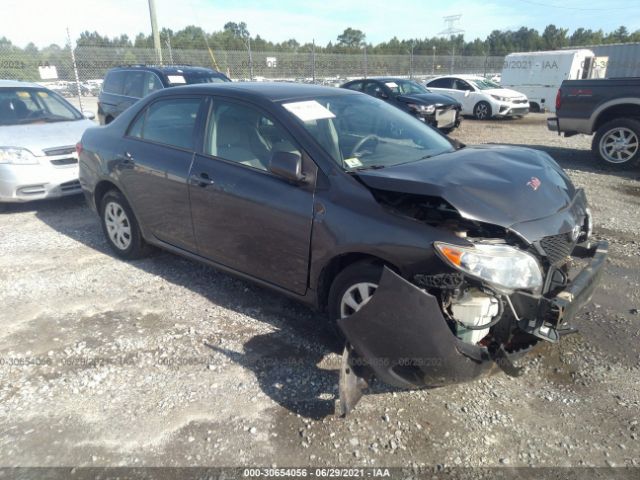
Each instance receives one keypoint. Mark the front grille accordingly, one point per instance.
(52, 152)
(521, 101)
(64, 161)
(557, 247)
(70, 186)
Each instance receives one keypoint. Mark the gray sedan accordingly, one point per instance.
(38, 133)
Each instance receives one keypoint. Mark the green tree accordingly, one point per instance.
(351, 38)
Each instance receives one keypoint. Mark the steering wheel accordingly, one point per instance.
(362, 142)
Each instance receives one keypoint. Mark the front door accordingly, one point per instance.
(245, 217)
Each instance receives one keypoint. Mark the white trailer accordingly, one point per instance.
(539, 74)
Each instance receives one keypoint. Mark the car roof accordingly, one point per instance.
(383, 79)
(167, 69)
(464, 76)
(271, 91)
(17, 84)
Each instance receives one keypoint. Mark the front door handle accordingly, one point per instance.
(201, 179)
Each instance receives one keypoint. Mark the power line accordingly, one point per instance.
(540, 4)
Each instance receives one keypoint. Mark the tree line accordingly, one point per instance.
(236, 36)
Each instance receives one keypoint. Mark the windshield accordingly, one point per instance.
(204, 78)
(405, 87)
(360, 132)
(20, 106)
(485, 84)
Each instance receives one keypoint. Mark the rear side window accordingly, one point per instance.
(114, 82)
(171, 122)
(133, 84)
(151, 83)
(441, 83)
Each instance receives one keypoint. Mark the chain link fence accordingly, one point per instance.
(57, 67)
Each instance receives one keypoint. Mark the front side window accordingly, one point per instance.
(243, 134)
(462, 85)
(169, 121)
(357, 86)
(360, 132)
(151, 83)
(33, 105)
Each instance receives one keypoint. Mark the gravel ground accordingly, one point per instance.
(166, 362)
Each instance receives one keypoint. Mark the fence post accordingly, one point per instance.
(313, 60)
(365, 60)
(75, 71)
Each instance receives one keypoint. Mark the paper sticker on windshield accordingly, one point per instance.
(176, 79)
(391, 84)
(22, 94)
(308, 111)
(352, 162)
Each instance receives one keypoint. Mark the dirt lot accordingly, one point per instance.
(166, 362)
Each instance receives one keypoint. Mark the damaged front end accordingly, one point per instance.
(495, 297)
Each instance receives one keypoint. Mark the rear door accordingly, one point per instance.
(244, 217)
(154, 166)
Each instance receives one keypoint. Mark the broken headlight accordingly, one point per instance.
(499, 265)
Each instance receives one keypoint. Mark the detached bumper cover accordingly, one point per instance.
(552, 124)
(403, 337)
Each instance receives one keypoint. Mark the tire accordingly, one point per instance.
(617, 143)
(120, 227)
(482, 111)
(365, 273)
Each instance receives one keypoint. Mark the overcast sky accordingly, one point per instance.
(45, 21)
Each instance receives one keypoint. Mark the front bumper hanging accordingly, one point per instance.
(401, 335)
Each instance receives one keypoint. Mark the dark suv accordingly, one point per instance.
(436, 262)
(125, 85)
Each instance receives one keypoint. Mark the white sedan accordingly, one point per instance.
(480, 97)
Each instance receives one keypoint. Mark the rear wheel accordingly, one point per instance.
(617, 143)
(482, 111)
(120, 227)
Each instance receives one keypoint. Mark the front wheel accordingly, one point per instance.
(617, 143)
(120, 227)
(482, 111)
(353, 288)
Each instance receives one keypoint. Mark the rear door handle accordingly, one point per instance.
(201, 179)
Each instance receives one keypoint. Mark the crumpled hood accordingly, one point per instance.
(428, 99)
(37, 137)
(500, 185)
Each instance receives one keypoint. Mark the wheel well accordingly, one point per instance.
(337, 265)
(101, 188)
(108, 119)
(617, 111)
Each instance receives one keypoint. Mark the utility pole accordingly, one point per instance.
(452, 31)
(155, 32)
(433, 62)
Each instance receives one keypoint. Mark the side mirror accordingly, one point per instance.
(381, 94)
(467, 93)
(288, 166)
(89, 115)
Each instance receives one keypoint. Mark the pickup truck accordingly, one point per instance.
(610, 108)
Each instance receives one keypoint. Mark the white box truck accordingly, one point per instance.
(539, 74)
